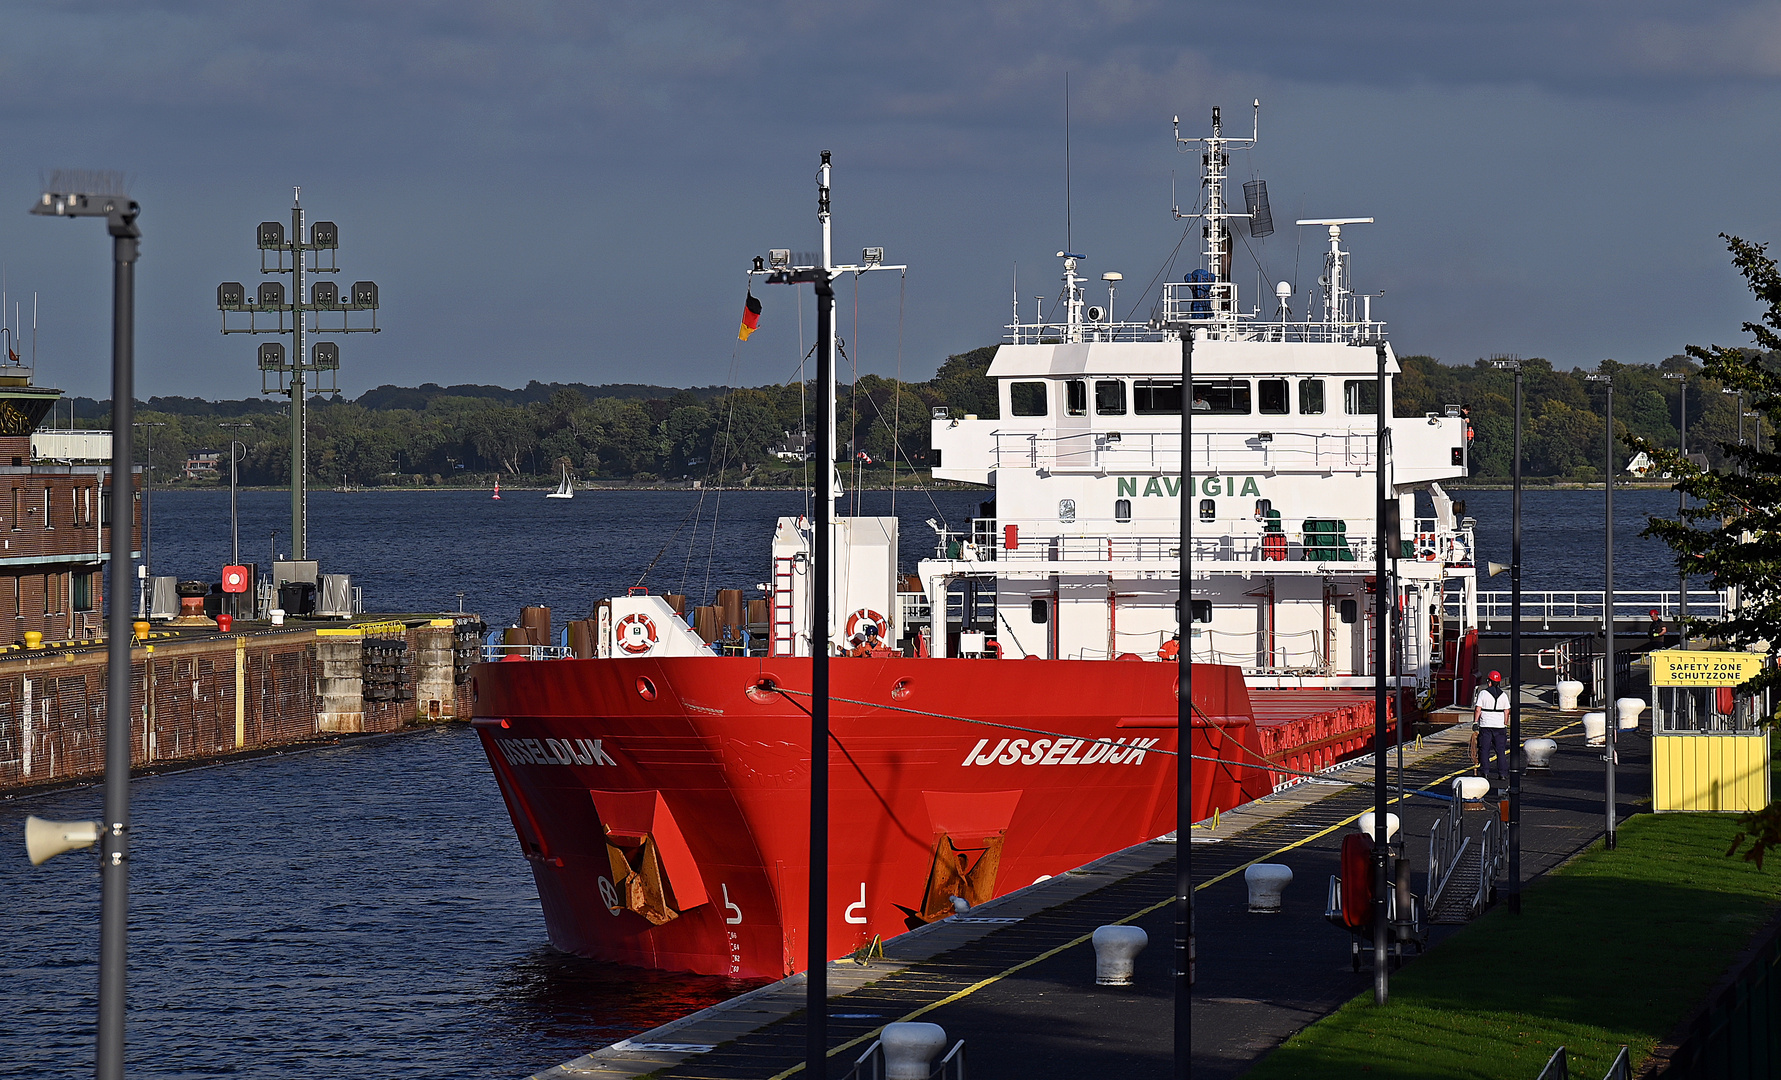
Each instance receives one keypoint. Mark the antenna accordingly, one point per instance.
(1338, 295)
(1069, 240)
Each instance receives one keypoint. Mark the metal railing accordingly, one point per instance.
(1212, 308)
(1493, 853)
(1629, 605)
(492, 653)
(870, 1065)
(1227, 451)
(1447, 846)
(1558, 1066)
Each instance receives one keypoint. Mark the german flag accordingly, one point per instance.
(751, 317)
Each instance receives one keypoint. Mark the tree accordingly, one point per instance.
(1732, 532)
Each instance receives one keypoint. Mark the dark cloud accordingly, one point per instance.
(570, 190)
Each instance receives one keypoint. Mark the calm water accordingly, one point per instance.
(363, 909)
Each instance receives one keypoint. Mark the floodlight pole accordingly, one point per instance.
(299, 401)
(114, 838)
(1681, 505)
(1516, 761)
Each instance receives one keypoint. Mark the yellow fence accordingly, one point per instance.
(1710, 772)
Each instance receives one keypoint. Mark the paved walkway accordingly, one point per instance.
(1015, 979)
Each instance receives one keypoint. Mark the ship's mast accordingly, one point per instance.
(1215, 233)
(831, 474)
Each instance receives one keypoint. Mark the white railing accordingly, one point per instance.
(1211, 309)
(1629, 605)
(1217, 451)
(492, 653)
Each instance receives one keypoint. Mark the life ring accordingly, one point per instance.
(636, 633)
(866, 615)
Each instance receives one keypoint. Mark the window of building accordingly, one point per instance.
(16, 526)
(1226, 397)
(1041, 611)
(48, 521)
(83, 591)
(1350, 611)
(1311, 397)
(1076, 397)
(1027, 398)
(1122, 510)
(18, 596)
(1208, 509)
(1360, 397)
(49, 594)
(1271, 397)
(1110, 397)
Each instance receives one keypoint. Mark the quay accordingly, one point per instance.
(199, 694)
(1014, 977)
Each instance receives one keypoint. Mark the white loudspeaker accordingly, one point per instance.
(1496, 568)
(46, 839)
(1096, 314)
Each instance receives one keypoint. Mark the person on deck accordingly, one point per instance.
(873, 642)
(1490, 714)
(1171, 649)
(1656, 630)
(857, 646)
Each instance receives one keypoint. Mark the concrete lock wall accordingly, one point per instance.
(210, 697)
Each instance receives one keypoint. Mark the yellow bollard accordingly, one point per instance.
(33, 639)
(141, 629)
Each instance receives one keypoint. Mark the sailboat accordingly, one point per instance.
(566, 489)
(497, 493)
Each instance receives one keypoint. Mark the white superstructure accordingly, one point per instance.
(1079, 559)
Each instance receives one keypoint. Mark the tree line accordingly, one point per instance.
(432, 435)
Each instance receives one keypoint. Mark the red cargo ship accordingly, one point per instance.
(1008, 711)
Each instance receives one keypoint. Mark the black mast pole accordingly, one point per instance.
(816, 986)
(1184, 771)
(1515, 762)
(1611, 713)
(1381, 612)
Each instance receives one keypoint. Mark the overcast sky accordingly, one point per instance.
(573, 191)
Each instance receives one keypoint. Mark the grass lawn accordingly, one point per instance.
(1616, 947)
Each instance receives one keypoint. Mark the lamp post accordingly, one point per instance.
(1612, 720)
(1184, 710)
(101, 195)
(1681, 505)
(777, 269)
(1381, 608)
(1515, 759)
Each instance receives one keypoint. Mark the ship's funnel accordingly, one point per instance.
(1255, 200)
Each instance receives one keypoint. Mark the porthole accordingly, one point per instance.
(646, 689)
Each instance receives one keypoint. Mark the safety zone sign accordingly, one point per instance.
(1674, 667)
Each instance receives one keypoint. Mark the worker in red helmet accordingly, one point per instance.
(1490, 715)
(1656, 630)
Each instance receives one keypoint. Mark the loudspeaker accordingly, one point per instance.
(1496, 568)
(46, 839)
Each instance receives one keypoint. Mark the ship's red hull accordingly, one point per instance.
(663, 803)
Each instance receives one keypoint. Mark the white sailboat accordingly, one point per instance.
(566, 489)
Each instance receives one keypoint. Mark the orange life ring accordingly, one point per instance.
(636, 633)
(866, 615)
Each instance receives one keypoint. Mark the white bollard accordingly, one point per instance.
(1539, 752)
(1267, 881)
(1595, 728)
(1365, 824)
(910, 1049)
(1471, 788)
(1568, 693)
(1116, 951)
(277, 615)
(1629, 709)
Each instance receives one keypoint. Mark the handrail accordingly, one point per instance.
(1629, 604)
(493, 653)
(1558, 1067)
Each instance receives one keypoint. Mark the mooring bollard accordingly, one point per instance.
(1539, 752)
(910, 1049)
(1471, 788)
(1116, 950)
(1595, 728)
(1365, 824)
(1267, 882)
(1629, 709)
(1568, 693)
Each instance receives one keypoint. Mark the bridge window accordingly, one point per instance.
(1110, 397)
(1027, 398)
(1122, 510)
(1208, 509)
(1041, 612)
(1271, 396)
(1311, 397)
(1360, 397)
(1076, 398)
(1227, 397)
(1350, 611)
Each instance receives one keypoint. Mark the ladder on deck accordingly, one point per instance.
(784, 633)
(1455, 905)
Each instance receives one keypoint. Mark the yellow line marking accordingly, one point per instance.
(958, 995)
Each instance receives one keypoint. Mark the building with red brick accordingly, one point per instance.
(54, 526)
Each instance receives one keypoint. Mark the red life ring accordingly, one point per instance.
(636, 633)
(866, 615)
